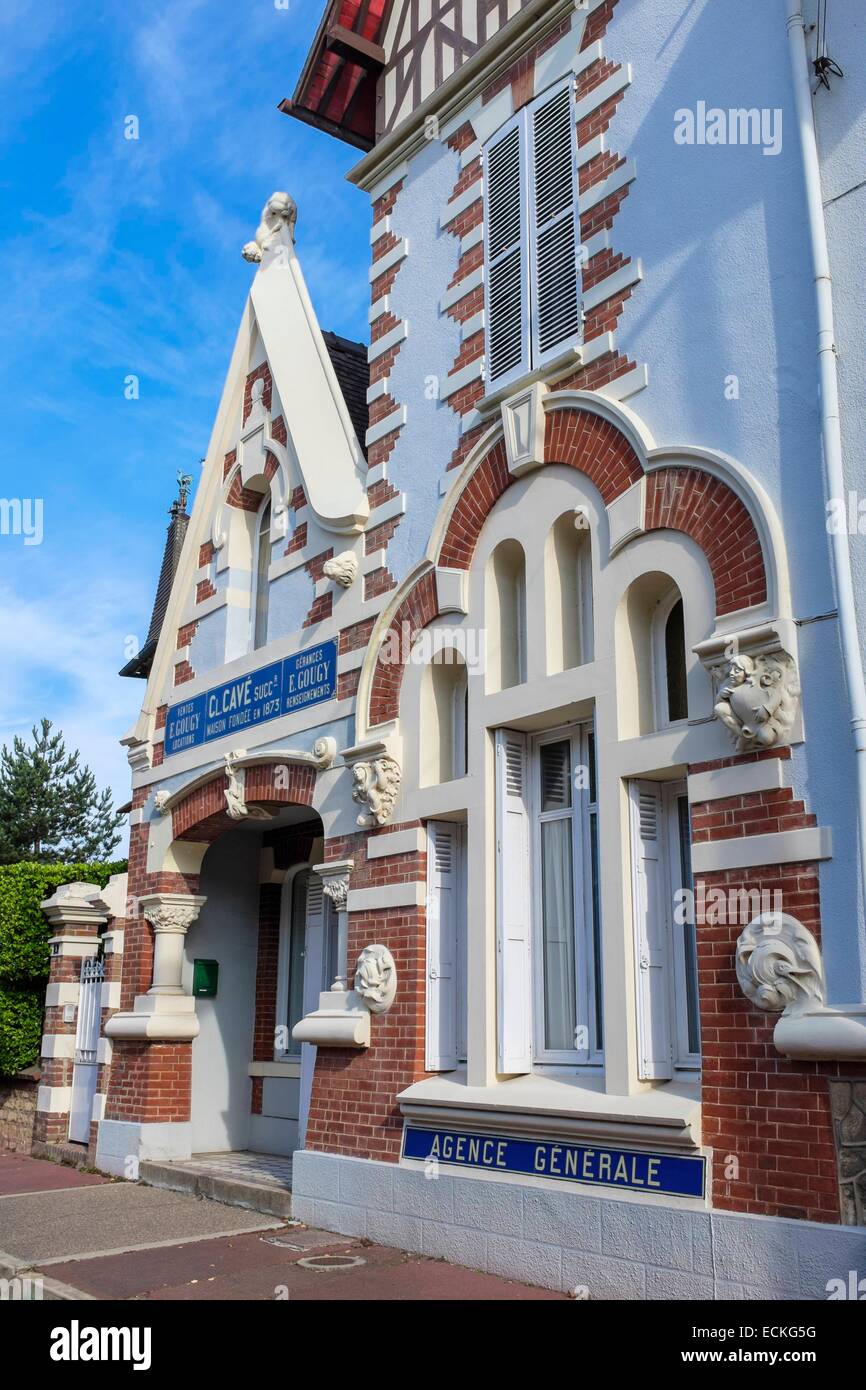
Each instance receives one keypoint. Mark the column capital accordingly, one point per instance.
(171, 912)
(335, 880)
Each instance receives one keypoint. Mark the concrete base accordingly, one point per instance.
(121, 1145)
(571, 1240)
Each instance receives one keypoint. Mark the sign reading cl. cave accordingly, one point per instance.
(670, 1175)
(305, 678)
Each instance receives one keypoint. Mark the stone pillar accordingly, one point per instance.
(335, 885)
(77, 914)
(164, 1013)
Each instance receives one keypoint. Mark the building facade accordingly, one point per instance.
(498, 809)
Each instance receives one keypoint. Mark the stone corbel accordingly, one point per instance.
(343, 1017)
(523, 423)
(165, 1013)
(779, 969)
(756, 686)
(236, 791)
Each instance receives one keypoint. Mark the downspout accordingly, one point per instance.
(833, 1031)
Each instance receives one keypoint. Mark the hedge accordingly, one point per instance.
(24, 952)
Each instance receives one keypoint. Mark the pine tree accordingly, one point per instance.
(50, 809)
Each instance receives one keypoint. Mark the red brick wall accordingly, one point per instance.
(150, 1082)
(353, 1109)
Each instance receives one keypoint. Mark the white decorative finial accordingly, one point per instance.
(279, 215)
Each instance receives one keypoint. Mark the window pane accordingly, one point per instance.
(675, 663)
(558, 927)
(690, 953)
(263, 560)
(556, 776)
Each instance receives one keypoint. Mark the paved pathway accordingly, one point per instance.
(112, 1240)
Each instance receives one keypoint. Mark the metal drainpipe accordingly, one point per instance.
(831, 433)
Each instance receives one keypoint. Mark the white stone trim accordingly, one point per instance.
(387, 341)
(379, 388)
(54, 1100)
(57, 1045)
(621, 279)
(469, 327)
(625, 174)
(380, 229)
(594, 147)
(395, 421)
(113, 940)
(470, 421)
(387, 895)
(98, 1109)
(471, 194)
(386, 183)
(64, 992)
(626, 385)
(617, 82)
(73, 945)
(762, 776)
(752, 851)
(379, 307)
(463, 287)
(471, 238)
(450, 385)
(391, 257)
(288, 1069)
(397, 842)
(470, 154)
(104, 1050)
(110, 995)
(374, 560)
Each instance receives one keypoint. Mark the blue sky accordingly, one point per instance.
(123, 257)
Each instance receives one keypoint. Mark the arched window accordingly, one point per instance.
(676, 695)
(445, 695)
(568, 593)
(506, 616)
(651, 653)
(262, 560)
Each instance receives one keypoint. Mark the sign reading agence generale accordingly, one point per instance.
(670, 1175)
(304, 678)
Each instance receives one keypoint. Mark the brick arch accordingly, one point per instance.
(705, 508)
(685, 498)
(202, 815)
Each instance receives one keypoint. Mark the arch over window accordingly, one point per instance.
(444, 708)
(651, 655)
(568, 592)
(260, 584)
(505, 616)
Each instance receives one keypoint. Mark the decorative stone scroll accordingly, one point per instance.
(758, 699)
(236, 791)
(376, 784)
(779, 965)
(376, 978)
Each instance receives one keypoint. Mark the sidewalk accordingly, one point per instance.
(96, 1239)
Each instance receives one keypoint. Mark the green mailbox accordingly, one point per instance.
(205, 977)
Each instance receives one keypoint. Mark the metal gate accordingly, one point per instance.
(86, 1042)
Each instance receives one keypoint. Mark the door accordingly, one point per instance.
(86, 1043)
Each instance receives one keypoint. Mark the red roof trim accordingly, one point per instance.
(334, 92)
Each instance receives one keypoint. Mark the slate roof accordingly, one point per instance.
(353, 374)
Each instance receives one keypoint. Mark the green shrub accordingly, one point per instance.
(24, 953)
(20, 1027)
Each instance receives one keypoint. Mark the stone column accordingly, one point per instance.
(335, 885)
(171, 915)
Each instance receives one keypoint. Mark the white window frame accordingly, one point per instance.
(587, 1004)
(284, 956)
(255, 584)
(461, 996)
(532, 358)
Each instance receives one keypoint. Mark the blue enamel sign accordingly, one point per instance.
(305, 678)
(673, 1175)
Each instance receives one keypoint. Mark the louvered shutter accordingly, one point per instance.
(554, 227)
(444, 917)
(507, 256)
(652, 955)
(514, 992)
(314, 943)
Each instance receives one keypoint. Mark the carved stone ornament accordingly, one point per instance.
(376, 783)
(342, 568)
(376, 978)
(279, 212)
(779, 965)
(161, 801)
(171, 912)
(324, 751)
(758, 700)
(337, 889)
(235, 793)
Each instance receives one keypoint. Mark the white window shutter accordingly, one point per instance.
(652, 958)
(443, 925)
(506, 255)
(513, 924)
(554, 225)
(315, 913)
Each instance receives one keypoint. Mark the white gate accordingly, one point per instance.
(86, 1042)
